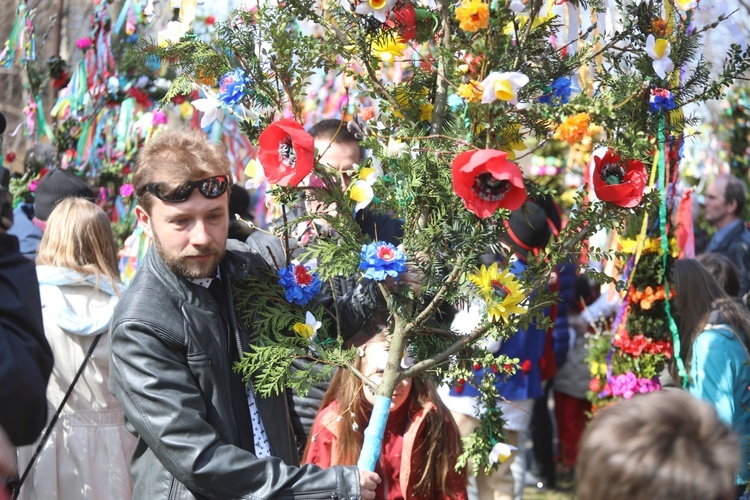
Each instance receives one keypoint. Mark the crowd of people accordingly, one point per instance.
(114, 391)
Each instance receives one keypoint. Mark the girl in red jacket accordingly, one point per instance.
(421, 442)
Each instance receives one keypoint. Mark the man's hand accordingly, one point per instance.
(368, 481)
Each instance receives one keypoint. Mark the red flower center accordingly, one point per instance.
(612, 173)
(386, 253)
(287, 156)
(302, 276)
(487, 188)
(499, 289)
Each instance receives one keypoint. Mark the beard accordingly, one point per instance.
(181, 265)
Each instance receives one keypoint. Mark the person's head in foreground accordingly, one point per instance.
(659, 446)
(182, 183)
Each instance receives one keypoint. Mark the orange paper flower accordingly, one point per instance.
(574, 128)
(471, 92)
(473, 15)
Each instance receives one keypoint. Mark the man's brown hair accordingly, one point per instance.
(177, 156)
(658, 446)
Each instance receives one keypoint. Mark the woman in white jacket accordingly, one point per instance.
(87, 453)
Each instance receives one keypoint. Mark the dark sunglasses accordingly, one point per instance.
(211, 187)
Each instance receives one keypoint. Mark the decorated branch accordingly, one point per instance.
(449, 99)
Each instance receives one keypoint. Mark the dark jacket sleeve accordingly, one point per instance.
(739, 254)
(170, 416)
(25, 355)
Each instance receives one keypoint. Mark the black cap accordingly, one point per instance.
(54, 187)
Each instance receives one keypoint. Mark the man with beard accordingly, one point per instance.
(175, 337)
(725, 209)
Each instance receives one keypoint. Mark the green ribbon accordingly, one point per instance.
(42, 125)
(665, 252)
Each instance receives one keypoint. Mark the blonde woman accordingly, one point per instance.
(88, 450)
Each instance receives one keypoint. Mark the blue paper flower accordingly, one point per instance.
(232, 87)
(381, 259)
(661, 100)
(560, 89)
(300, 285)
(455, 102)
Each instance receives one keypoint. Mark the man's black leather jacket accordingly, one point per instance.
(170, 372)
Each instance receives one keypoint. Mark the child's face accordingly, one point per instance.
(373, 366)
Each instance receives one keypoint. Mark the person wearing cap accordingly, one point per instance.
(55, 186)
(527, 232)
(201, 432)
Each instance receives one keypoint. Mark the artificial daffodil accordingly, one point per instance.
(211, 107)
(501, 452)
(309, 328)
(658, 49)
(503, 86)
(378, 8)
(361, 190)
(254, 173)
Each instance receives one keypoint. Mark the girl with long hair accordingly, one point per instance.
(714, 331)
(421, 443)
(88, 450)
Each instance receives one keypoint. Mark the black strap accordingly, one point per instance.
(16, 485)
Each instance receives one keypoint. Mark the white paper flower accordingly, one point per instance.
(255, 174)
(395, 148)
(501, 452)
(309, 328)
(658, 49)
(686, 5)
(361, 190)
(503, 86)
(516, 6)
(171, 34)
(378, 8)
(210, 106)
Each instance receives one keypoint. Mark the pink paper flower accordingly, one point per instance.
(83, 43)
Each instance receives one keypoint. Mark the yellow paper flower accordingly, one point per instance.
(473, 15)
(425, 112)
(309, 328)
(574, 128)
(501, 291)
(470, 92)
(518, 145)
(387, 47)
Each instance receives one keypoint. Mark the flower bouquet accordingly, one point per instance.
(459, 90)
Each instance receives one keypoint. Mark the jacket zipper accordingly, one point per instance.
(228, 361)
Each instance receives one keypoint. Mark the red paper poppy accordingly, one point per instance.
(286, 152)
(620, 182)
(486, 181)
(404, 18)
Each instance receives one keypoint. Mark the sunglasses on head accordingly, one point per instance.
(210, 187)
